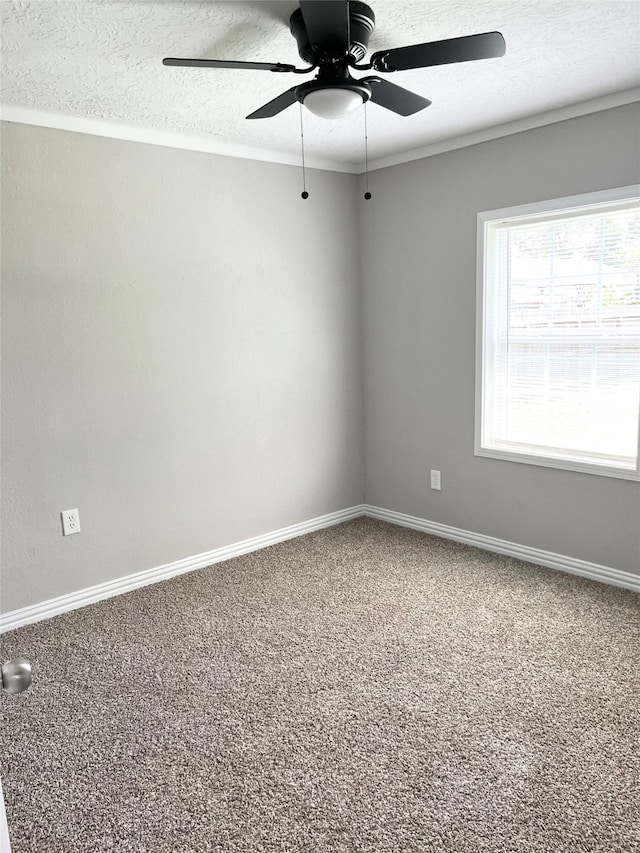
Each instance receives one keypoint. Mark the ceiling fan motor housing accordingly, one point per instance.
(362, 22)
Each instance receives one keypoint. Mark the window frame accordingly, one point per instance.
(530, 212)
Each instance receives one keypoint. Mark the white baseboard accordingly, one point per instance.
(74, 600)
(574, 566)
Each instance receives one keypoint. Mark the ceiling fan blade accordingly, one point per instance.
(464, 49)
(327, 23)
(395, 98)
(222, 63)
(277, 105)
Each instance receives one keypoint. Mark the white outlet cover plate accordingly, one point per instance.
(70, 522)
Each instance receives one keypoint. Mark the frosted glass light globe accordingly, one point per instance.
(333, 103)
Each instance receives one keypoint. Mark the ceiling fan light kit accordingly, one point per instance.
(333, 37)
(334, 103)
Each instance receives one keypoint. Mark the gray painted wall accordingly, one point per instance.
(182, 361)
(180, 355)
(419, 286)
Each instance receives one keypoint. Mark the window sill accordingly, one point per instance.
(560, 464)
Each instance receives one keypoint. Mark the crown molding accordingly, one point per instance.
(149, 136)
(596, 105)
(167, 139)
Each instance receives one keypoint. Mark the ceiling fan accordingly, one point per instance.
(333, 36)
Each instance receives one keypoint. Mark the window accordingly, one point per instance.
(558, 367)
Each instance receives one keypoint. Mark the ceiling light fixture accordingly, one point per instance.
(333, 101)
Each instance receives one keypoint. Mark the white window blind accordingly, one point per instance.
(560, 336)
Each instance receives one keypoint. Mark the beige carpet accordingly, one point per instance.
(363, 688)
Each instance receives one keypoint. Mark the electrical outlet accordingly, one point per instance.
(70, 521)
(435, 480)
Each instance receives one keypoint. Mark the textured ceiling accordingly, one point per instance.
(101, 59)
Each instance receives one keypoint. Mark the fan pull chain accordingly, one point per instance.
(304, 193)
(367, 194)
